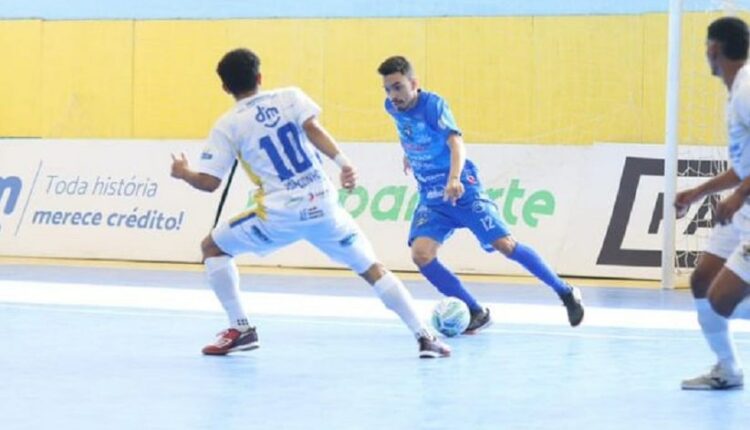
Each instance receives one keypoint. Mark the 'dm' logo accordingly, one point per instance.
(269, 117)
(613, 252)
(10, 189)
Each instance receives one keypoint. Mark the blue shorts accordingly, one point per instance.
(438, 222)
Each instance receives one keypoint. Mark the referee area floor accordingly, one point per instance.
(117, 346)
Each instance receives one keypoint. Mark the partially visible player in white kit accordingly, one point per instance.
(721, 280)
(276, 137)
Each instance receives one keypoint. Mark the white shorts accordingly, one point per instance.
(335, 234)
(739, 260)
(723, 240)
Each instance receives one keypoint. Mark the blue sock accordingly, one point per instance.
(448, 283)
(529, 259)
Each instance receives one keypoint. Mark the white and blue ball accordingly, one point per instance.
(450, 316)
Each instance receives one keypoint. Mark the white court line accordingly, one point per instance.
(301, 305)
(391, 325)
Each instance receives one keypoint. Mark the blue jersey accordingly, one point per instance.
(424, 130)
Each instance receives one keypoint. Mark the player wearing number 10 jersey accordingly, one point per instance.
(277, 139)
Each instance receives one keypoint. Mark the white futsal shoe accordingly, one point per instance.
(718, 378)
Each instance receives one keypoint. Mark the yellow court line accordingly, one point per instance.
(297, 271)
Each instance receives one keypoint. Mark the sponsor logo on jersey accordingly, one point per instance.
(435, 193)
(406, 130)
(303, 181)
(312, 212)
(316, 195)
(294, 201)
(430, 178)
(268, 116)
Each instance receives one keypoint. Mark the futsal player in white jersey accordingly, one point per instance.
(721, 280)
(277, 139)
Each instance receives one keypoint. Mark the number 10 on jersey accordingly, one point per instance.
(288, 136)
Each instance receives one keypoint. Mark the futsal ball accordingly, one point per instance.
(450, 316)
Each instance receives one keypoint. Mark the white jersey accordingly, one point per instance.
(730, 241)
(265, 132)
(738, 126)
(738, 122)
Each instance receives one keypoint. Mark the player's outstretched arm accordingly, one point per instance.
(720, 182)
(321, 139)
(181, 170)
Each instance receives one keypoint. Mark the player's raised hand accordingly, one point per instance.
(682, 202)
(454, 189)
(180, 166)
(348, 177)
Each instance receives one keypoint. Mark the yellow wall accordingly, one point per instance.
(177, 92)
(484, 68)
(20, 78)
(570, 80)
(87, 79)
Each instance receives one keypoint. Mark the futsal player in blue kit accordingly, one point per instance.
(451, 195)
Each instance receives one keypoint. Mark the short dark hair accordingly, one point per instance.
(395, 64)
(732, 35)
(239, 70)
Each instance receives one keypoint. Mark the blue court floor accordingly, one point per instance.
(107, 348)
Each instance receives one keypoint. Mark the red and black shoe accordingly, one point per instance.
(232, 340)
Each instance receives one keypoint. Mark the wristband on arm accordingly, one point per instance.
(342, 160)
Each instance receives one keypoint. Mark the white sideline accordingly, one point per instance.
(281, 304)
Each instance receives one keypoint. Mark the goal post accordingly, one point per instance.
(670, 143)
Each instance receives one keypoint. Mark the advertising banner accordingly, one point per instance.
(617, 230)
(100, 199)
(589, 211)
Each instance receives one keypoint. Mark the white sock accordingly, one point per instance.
(742, 310)
(397, 298)
(224, 278)
(716, 331)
